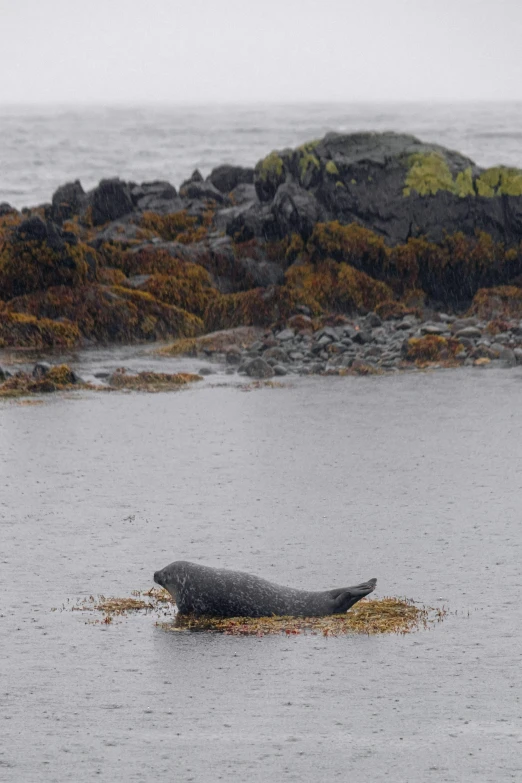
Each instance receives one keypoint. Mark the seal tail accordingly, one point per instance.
(346, 597)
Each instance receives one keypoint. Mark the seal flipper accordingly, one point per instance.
(348, 596)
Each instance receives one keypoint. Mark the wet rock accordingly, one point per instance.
(109, 201)
(372, 321)
(295, 210)
(462, 323)
(234, 355)
(285, 334)
(67, 201)
(261, 274)
(7, 209)
(204, 191)
(243, 194)
(330, 332)
(280, 370)
(466, 343)
(249, 221)
(158, 196)
(34, 229)
(277, 354)
(225, 178)
(121, 231)
(518, 355)
(259, 368)
(41, 369)
(206, 371)
(407, 323)
(434, 329)
(471, 332)
(362, 337)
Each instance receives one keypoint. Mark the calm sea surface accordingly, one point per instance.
(43, 148)
(414, 478)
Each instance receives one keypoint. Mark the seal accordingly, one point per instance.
(217, 592)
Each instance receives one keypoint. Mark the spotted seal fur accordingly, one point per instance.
(217, 592)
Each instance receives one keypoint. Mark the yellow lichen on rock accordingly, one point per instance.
(429, 172)
(270, 167)
(500, 181)
(331, 169)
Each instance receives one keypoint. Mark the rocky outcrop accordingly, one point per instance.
(346, 225)
(391, 183)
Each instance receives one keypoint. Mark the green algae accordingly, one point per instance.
(332, 169)
(270, 167)
(429, 173)
(307, 164)
(500, 181)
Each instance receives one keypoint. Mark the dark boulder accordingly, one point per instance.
(395, 185)
(157, 196)
(225, 178)
(109, 201)
(34, 229)
(251, 220)
(261, 274)
(7, 209)
(243, 194)
(296, 210)
(205, 191)
(259, 368)
(67, 201)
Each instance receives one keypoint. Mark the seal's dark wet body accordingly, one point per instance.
(217, 592)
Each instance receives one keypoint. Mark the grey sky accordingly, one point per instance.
(107, 51)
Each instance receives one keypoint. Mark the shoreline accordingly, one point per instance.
(355, 252)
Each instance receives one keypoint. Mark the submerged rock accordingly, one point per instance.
(259, 368)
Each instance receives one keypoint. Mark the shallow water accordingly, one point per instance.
(414, 478)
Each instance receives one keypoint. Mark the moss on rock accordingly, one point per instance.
(270, 168)
(29, 265)
(500, 181)
(110, 313)
(331, 169)
(429, 172)
(19, 330)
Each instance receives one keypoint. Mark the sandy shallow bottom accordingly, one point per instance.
(415, 479)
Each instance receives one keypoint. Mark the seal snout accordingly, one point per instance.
(158, 579)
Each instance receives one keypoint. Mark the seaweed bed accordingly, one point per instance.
(369, 616)
(62, 378)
